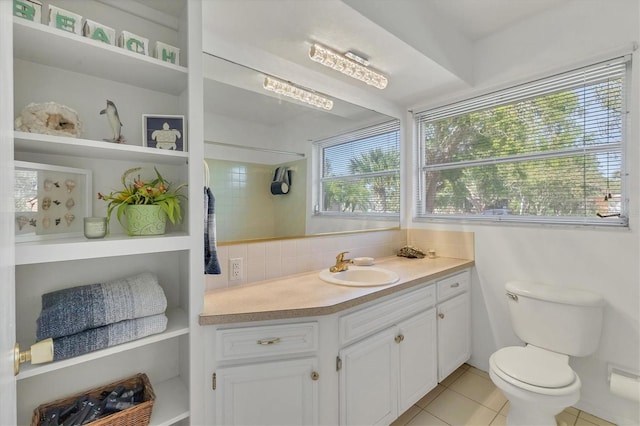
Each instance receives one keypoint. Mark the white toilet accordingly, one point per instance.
(555, 323)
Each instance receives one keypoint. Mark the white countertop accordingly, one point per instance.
(306, 295)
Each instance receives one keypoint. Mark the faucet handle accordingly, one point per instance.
(340, 256)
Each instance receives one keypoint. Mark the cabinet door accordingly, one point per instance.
(275, 393)
(368, 380)
(418, 358)
(454, 334)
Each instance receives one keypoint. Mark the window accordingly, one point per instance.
(548, 151)
(359, 172)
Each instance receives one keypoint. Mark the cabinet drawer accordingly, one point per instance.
(455, 284)
(265, 341)
(361, 323)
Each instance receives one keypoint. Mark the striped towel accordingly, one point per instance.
(72, 310)
(211, 263)
(110, 335)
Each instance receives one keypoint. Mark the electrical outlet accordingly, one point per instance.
(235, 269)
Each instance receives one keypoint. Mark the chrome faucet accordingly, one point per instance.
(342, 264)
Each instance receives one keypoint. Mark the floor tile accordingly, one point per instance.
(500, 420)
(479, 389)
(572, 410)
(426, 400)
(582, 422)
(453, 376)
(456, 409)
(479, 372)
(407, 416)
(505, 409)
(426, 419)
(566, 419)
(593, 419)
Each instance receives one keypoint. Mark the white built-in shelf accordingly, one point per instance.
(35, 42)
(74, 248)
(74, 147)
(177, 325)
(171, 404)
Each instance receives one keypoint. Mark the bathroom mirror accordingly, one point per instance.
(249, 134)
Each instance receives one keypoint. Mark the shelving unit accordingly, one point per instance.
(54, 65)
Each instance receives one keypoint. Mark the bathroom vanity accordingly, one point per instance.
(298, 350)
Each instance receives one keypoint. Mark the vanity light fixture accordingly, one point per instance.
(288, 89)
(349, 64)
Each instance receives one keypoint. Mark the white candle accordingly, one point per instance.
(95, 227)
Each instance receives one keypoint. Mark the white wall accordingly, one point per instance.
(601, 260)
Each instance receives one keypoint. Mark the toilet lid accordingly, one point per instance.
(535, 366)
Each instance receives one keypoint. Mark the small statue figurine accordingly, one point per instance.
(114, 122)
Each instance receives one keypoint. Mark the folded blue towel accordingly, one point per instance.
(72, 310)
(110, 335)
(211, 263)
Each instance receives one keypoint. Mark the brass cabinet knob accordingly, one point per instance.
(399, 338)
(315, 375)
(441, 315)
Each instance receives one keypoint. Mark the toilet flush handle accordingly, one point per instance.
(512, 296)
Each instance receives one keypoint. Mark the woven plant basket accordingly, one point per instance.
(139, 415)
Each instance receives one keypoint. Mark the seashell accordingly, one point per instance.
(46, 203)
(411, 252)
(48, 185)
(22, 221)
(46, 222)
(70, 203)
(70, 184)
(69, 218)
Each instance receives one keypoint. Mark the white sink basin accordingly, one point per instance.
(360, 276)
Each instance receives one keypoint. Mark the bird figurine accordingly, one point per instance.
(114, 122)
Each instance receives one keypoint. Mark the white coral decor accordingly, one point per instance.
(49, 118)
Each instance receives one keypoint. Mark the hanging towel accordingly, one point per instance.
(72, 310)
(211, 263)
(110, 335)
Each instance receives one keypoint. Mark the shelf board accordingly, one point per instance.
(171, 404)
(74, 147)
(50, 46)
(78, 248)
(177, 325)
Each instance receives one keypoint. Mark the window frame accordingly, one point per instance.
(318, 150)
(421, 167)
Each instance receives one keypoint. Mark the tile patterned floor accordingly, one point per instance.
(468, 397)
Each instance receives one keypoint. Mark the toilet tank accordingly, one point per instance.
(564, 320)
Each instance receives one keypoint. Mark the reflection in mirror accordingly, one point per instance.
(250, 134)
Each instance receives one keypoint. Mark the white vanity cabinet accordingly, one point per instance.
(267, 375)
(51, 64)
(454, 323)
(385, 373)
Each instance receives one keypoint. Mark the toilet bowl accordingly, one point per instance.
(539, 384)
(555, 323)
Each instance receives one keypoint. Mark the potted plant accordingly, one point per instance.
(146, 203)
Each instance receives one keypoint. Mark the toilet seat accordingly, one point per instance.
(535, 369)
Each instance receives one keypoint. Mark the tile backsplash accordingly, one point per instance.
(277, 258)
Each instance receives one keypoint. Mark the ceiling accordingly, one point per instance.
(423, 46)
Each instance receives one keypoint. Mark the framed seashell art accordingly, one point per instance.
(50, 201)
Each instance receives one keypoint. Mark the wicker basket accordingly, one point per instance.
(134, 416)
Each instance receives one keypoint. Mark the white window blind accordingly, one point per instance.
(359, 172)
(551, 150)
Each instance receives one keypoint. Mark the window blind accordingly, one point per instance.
(359, 171)
(547, 151)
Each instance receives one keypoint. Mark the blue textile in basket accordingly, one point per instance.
(72, 310)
